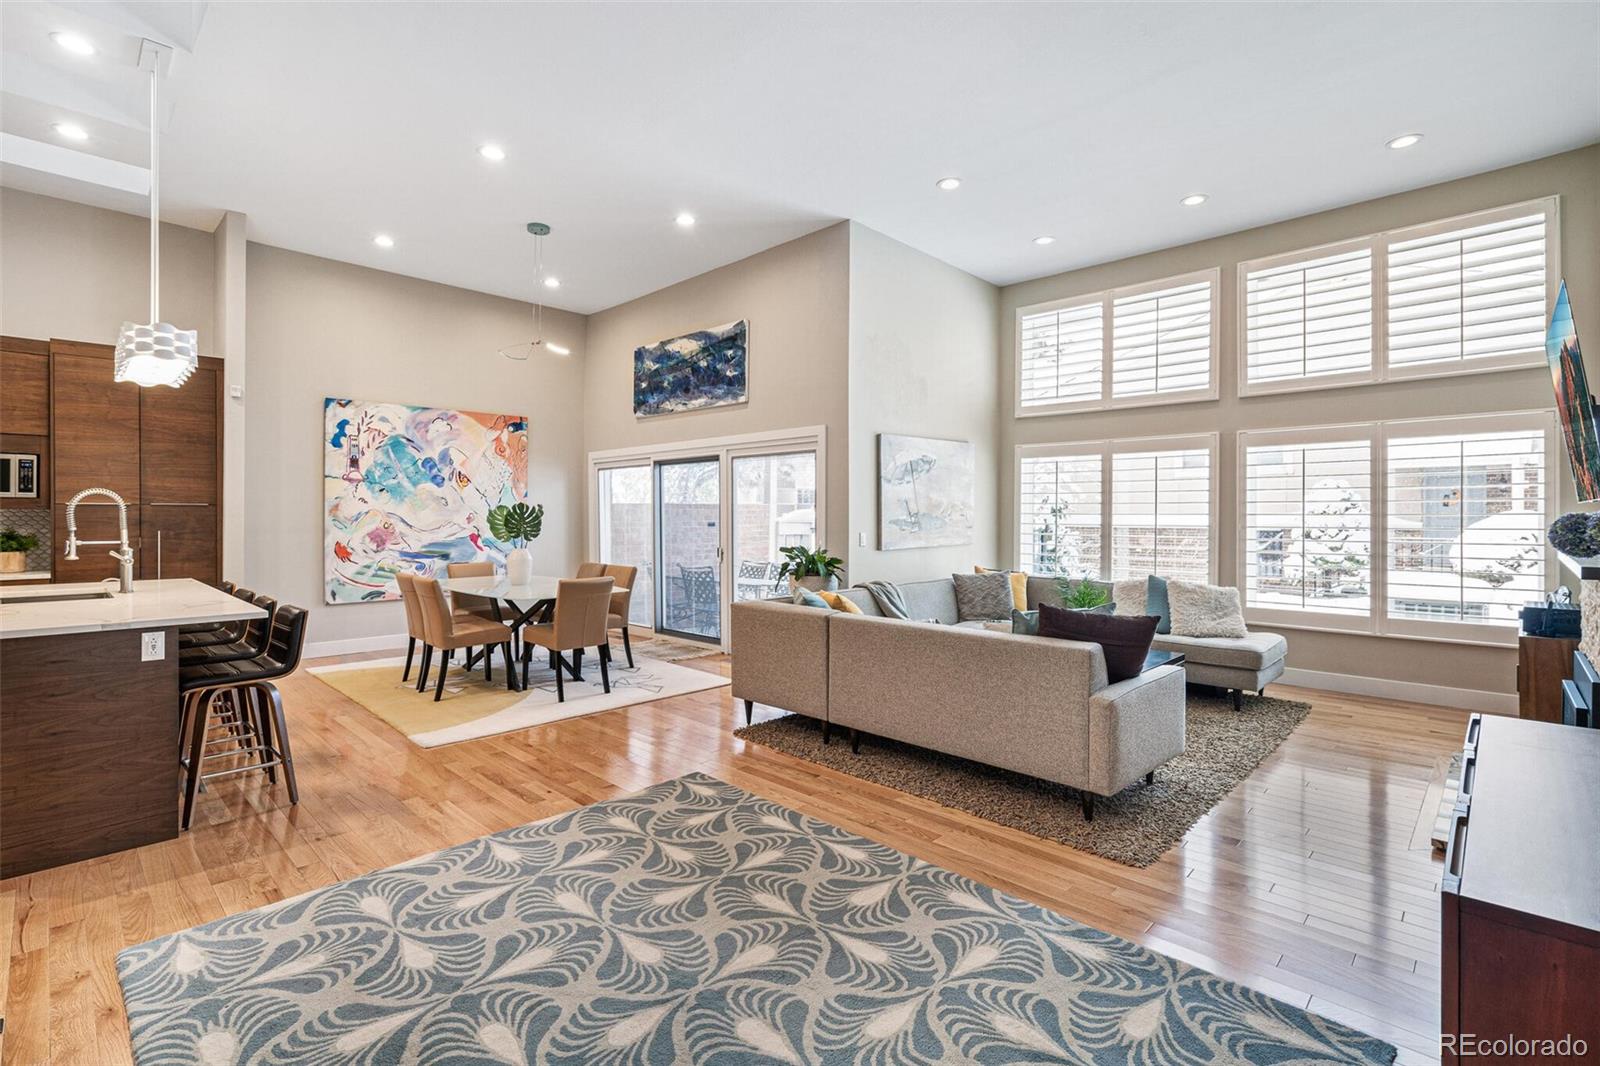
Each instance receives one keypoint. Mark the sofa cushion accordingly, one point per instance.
(982, 597)
(1201, 610)
(1124, 641)
(1019, 585)
(1256, 651)
(804, 597)
(1129, 595)
(840, 602)
(1156, 603)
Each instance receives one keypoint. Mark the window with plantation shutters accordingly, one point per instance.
(1062, 354)
(1162, 339)
(1466, 518)
(1059, 521)
(1160, 521)
(1308, 317)
(1469, 290)
(1307, 528)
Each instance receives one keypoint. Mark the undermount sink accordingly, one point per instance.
(60, 597)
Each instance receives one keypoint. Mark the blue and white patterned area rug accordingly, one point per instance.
(692, 922)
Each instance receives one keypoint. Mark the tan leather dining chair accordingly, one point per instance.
(579, 622)
(481, 607)
(414, 630)
(449, 631)
(621, 601)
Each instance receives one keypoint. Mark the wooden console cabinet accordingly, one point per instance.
(1542, 664)
(1521, 887)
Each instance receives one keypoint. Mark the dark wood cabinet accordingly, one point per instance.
(180, 433)
(179, 540)
(24, 387)
(1520, 894)
(1542, 664)
(94, 433)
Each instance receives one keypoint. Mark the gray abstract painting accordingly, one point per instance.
(925, 492)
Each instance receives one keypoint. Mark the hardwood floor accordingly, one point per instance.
(1306, 883)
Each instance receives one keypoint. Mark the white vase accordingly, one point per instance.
(814, 582)
(519, 566)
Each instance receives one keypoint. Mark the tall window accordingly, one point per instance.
(1117, 509)
(1152, 343)
(1466, 520)
(1306, 535)
(1447, 297)
(626, 511)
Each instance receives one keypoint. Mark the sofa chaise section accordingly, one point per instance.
(781, 657)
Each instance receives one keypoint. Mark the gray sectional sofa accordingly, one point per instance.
(1036, 705)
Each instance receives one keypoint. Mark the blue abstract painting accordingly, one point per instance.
(705, 368)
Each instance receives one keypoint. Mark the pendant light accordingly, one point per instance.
(524, 351)
(157, 352)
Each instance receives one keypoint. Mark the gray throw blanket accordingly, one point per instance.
(887, 595)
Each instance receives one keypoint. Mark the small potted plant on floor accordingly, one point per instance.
(809, 568)
(14, 549)
(517, 524)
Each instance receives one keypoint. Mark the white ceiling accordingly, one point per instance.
(327, 123)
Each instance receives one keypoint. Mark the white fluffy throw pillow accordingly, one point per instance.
(1200, 610)
(1129, 595)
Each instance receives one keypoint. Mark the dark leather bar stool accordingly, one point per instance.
(259, 729)
(257, 632)
(206, 634)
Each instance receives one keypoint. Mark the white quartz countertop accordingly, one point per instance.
(26, 575)
(29, 612)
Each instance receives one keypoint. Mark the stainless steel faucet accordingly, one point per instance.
(124, 556)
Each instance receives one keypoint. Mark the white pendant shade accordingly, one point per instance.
(155, 354)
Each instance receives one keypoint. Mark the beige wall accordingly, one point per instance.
(923, 362)
(1574, 176)
(797, 299)
(319, 328)
(77, 273)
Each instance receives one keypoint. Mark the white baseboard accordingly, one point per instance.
(1460, 699)
(387, 642)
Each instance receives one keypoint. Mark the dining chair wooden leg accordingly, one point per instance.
(527, 657)
(197, 751)
(444, 668)
(577, 664)
(422, 672)
(605, 667)
(488, 668)
(561, 688)
(511, 667)
(411, 648)
(627, 647)
(281, 728)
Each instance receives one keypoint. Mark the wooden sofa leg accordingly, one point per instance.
(1088, 806)
(855, 741)
(749, 710)
(1238, 699)
(1150, 778)
(827, 731)
(1262, 691)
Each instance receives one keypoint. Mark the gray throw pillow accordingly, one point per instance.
(983, 597)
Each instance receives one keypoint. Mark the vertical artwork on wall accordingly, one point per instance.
(705, 368)
(925, 492)
(410, 488)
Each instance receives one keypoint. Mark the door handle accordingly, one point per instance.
(158, 555)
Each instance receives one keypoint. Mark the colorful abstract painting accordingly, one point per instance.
(705, 368)
(1574, 402)
(409, 488)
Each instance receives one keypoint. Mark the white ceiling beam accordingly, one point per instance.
(73, 165)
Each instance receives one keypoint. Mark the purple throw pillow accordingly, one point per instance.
(1125, 639)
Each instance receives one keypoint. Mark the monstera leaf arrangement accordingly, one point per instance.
(517, 523)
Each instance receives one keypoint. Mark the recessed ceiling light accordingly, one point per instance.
(70, 131)
(492, 152)
(1405, 140)
(552, 283)
(1194, 199)
(383, 240)
(78, 46)
(948, 184)
(558, 349)
(684, 219)
(1044, 240)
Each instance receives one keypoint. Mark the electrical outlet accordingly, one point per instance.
(861, 540)
(152, 646)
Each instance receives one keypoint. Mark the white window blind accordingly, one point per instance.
(1060, 515)
(1309, 318)
(1472, 291)
(1306, 538)
(1062, 355)
(1161, 340)
(1161, 514)
(1466, 524)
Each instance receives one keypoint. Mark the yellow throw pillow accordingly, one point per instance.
(1019, 585)
(840, 603)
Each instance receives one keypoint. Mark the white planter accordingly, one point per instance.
(519, 566)
(814, 582)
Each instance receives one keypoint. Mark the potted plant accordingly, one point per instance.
(14, 549)
(517, 524)
(813, 569)
(1081, 595)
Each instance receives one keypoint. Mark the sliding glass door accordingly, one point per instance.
(774, 506)
(689, 547)
(627, 528)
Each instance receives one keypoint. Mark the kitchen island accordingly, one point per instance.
(89, 715)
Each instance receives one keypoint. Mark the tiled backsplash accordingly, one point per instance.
(35, 520)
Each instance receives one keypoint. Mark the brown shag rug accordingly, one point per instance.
(1134, 827)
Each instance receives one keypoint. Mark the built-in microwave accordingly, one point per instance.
(19, 475)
